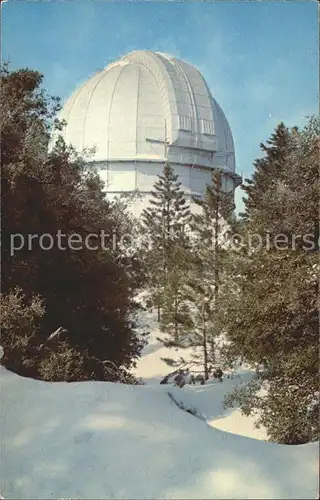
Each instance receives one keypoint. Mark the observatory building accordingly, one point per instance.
(145, 109)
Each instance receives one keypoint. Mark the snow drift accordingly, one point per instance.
(111, 441)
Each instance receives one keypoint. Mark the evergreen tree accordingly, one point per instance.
(86, 291)
(211, 228)
(175, 320)
(269, 172)
(164, 222)
(272, 322)
(215, 224)
(204, 269)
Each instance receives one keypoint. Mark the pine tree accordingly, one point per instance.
(204, 270)
(175, 320)
(269, 172)
(272, 321)
(164, 222)
(211, 228)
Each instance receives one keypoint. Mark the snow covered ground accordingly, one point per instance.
(103, 440)
(150, 366)
(110, 441)
(208, 399)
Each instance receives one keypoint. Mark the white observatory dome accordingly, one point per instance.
(142, 110)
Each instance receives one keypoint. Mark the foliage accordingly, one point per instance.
(206, 262)
(27, 352)
(164, 222)
(20, 325)
(88, 288)
(272, 321)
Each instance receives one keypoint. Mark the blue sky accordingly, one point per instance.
(260, 59)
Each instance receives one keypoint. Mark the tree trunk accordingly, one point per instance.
(216, 247)
(205, 355)
(158, 302)
(216, 252)
(205, 347)
(175, 318)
